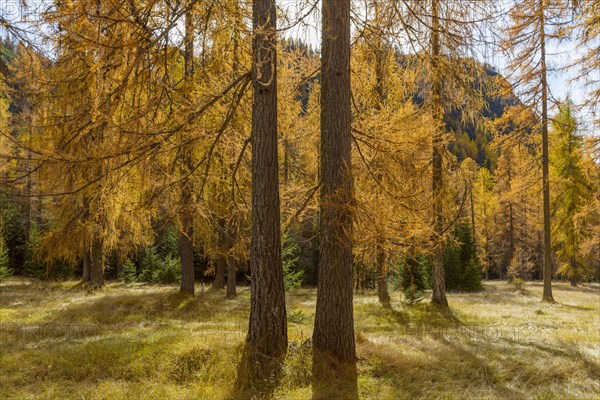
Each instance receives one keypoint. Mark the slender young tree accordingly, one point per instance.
(439, 286)
(444, 35)
(85, 277)
(267, 336)
(97, 263)
(381, 51)
(186, 231)
(334, 320)
(231, 281)
(534, 24)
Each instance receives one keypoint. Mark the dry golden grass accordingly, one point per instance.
(58, 341)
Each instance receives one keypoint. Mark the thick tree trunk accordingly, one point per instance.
(231, 282)
(186, 233)
(438, 278)
(334, 320)
(382, 290)
(97, 264)
(220, 265)
(573, 282)
(186, 253)
(267, 333)
(85, 277)
(547, 296)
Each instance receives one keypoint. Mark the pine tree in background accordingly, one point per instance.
(5, 271)
(461, 265)
(129, 272)
(571, 192)
(415, 277)
(471, 277)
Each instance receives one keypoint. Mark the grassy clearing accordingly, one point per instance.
(58, 341)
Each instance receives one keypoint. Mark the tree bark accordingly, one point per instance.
(97, 264)
(547, 296)
(511, 225)
(231, 281)
(472, 208)
(267, 333)
(382, 290)
(334, 320)
(573, 282)
(186, 254)
(220, 265)
(186, 233)
(85, 277)
(438, 278)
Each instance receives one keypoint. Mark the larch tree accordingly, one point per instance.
(587, 29)
(587, 220)
(438, 284)
(267, 332)
(381, 50)
(186, 230)
(485, 204)
(334, 319)
(534, 24)
(444, 36)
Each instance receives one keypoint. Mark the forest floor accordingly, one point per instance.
(135, 341)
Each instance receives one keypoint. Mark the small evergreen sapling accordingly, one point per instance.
(5, 271)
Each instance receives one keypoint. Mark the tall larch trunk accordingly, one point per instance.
(27, 202)
(381, 90)
(233, 231)
(487, 241)
(97, 264)
(334, 320)
(186, 233)
(511, 223)
(231, 281)
(547, 296)
(438, 278)
(267, 335)
(220, 267)
(472, 208)
(382, 290)
(87, 261)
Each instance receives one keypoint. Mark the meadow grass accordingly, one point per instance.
(127, 341)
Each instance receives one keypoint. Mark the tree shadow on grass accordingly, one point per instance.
(258, 375)
(425, 314)
(581, 287)
(333, 379)
(563, 350)
(126, 306)
(481, 367)
(580, 308)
